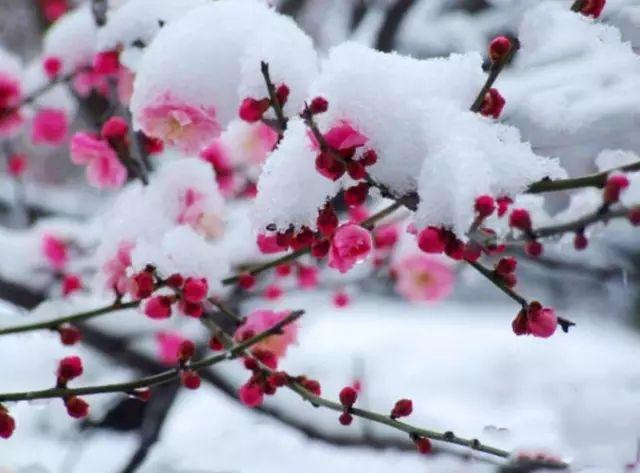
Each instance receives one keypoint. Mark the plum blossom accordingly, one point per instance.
(350, 244)
(50, 126)
(167, 346)
(86, 81)
(260, 320)
(10, 95)
(421, 277)
(55, 251)
(104, 169)
(115, 268)
(187, 127)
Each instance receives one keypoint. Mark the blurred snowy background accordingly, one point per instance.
(576, 396)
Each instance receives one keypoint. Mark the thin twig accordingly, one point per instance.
(273, 97)
(160, 378)
(368, 223)
(597, 180)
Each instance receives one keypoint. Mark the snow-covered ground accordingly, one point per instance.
(576, 395)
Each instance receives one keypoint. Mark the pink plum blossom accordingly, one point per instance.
(55, 251)
(350, 244)
(251, 394)
(115, 268)
(260, 320)
(86, 81)
(50, 126)
(423, 278)
(217, 155)
(104, 169)
(10, 96)
(259, 141)
(342, 137)
(191, 207)
(168, 344)
(179, 124)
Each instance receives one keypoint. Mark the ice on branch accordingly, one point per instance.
(176, 223)
(198, 69)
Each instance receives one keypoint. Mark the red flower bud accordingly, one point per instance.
(17, 164)
(70, 284)
(251, 110)
(115, 129)
(503, 205)
(533, 248)
(345, 418)
(592, 7)
(282, 93)
(186, 350)
(246, 281)
(327, 221)
(499, 48)
(158, 307)
(195, 290)
(69, 335)
(403, 408)
(614, 186)
(348, 396)
(492, 104)
(356, 170)
(485, 205)
(580, 241)
(190, 379)
(215, 344)
(175, 281)
(320, 249)
(69, 368)
(506, 265)
(634, 216)
(7, 424)
(318, 105)
(106, 62)
(431, 240)
(369, 158)
(52, 66)
(423, 445)
(144, 285)
(283, 270)
(76, 407)
(356, 195)
(312, 386)
(520, 219)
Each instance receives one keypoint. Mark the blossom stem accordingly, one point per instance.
(368, 224)
(597, 180)
(581, 223)
(273, 97)
(318, 401)
(79, 317)
(167, 376)
(494, 72)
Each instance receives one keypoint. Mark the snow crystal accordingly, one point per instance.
(613, 158)
(140, 20)
(210, 58)
(72, 39)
